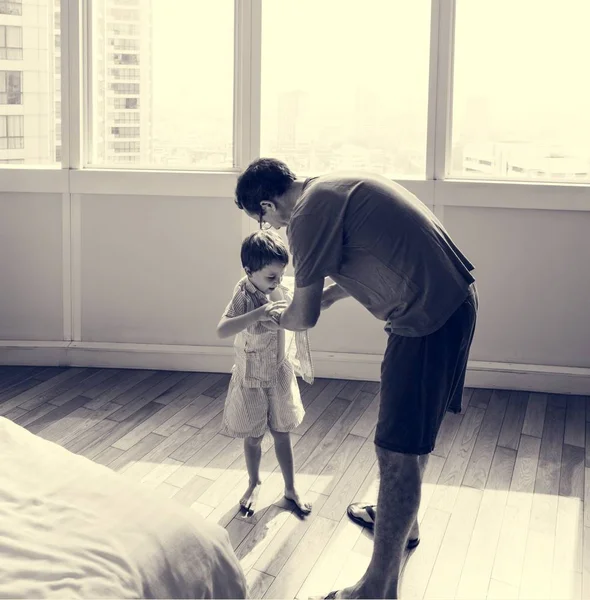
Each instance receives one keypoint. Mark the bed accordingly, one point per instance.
(70, 528)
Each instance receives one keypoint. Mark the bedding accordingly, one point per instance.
(70, 528)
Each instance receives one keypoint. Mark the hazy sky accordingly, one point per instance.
(193, 56)
(529, 60)
(522, 62)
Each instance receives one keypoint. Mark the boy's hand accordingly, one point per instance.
(270, 309)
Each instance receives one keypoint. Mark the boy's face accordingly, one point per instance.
(267, 279)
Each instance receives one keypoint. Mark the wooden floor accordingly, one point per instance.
(502, 514)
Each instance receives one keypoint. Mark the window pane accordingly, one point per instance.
(11, 7)
(521, 94)
(345, 84)
(30, 83)
(14, 37)
(167, 66)
(10, 87)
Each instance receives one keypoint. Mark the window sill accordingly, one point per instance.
(221, 184)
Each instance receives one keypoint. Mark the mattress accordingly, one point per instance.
(70, 528)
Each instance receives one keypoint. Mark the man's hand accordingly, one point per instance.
(304, 310)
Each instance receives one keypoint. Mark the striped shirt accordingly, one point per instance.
(257, 352)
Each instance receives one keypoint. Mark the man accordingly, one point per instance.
(383, 247)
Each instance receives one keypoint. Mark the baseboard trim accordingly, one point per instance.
(331, 365)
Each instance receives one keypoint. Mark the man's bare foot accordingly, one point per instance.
(250, 498)
(302, 506)
(350, 592)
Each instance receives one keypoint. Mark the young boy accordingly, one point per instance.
(263, 392)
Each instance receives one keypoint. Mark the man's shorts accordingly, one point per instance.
(422, 378)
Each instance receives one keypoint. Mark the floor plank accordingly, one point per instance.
(505, 508)
(511, 547)
(534, 417)
(456, 464)
(447, 434)
(346, 489)
(480, 462)
(479, 563)
(513, 420)
(319, 405)
(575, 421)
(480, 398)
(446, 571)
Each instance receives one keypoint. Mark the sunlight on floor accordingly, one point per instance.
(502, 548)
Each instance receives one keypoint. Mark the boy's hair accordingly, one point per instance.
(262, 248)
(264, 179)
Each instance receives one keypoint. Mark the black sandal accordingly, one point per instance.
(370, 510)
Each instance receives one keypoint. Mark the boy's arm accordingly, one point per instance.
(236, 319)
(229, 326)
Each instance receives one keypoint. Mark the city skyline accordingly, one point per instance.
(30, 86)
(162, 85)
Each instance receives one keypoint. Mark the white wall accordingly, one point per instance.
(157, 270)
(31, 306)
(151, 274)
(533, 273)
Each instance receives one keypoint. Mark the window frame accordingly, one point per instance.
(436, 190)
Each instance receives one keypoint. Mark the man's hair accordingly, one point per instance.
(264, 179)
(262, 248)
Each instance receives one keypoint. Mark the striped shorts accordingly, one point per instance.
(250, 412)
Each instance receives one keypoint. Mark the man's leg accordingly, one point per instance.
(411, 410)
(397, 508)
(422, 463)
(364, 518)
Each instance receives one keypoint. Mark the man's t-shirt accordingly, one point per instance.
(383, 246)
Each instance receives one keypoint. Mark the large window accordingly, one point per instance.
(322, 84)
(521, 95)
(345, 84)
(30, 84)
(180, 56)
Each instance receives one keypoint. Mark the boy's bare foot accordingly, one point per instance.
(250, 498)
(302, 506)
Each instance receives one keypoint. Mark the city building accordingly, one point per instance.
(29, 85)
(515, 159)
(121, 83)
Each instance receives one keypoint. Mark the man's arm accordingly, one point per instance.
(304, 310)
(331, 294)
